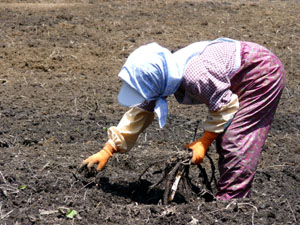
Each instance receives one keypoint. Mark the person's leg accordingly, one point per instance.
(259, 89)
(239, 156)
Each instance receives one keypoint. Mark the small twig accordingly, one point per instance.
(28, 166)
(196, 129)
(253, 218)
(187, 162)
(159, 181)
(10, 188)
(240, 204)
(295, 219)
(47, 212)
(152, 164)
(227, 207)
(45, 166)
(88, 184)
(25, 80)
(233, 202)
(175, 169)
(84, 196)
(3, 178)
(7, 214)
(75, 104)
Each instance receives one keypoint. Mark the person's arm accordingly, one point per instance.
(121, 138)
(215, 124)
(217, 121)
(124, 136)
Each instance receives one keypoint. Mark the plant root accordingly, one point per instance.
(175, 172)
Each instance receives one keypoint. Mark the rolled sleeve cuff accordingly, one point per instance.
(217, 121)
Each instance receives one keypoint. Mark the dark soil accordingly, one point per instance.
(58, 87)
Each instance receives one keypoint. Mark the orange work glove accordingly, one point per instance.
(101, 158)
(200, 146)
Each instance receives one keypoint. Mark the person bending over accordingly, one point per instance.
(239, 82)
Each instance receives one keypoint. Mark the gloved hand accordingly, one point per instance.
(100, 158)
(200, 146)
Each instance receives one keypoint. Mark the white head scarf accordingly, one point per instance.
(151, 70)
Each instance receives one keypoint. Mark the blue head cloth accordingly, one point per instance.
(151, 70)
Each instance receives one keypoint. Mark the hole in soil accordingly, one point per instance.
(137, 191)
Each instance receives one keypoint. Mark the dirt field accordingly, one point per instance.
(58, 86)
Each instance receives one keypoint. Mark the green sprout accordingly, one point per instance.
(22, 187)
(71, 213)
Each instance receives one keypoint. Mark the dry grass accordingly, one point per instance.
(40, 6)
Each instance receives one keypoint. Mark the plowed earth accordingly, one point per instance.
(58, 86)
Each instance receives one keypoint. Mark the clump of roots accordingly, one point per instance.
(175, 173)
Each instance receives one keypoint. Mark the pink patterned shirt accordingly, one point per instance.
(206, 78)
